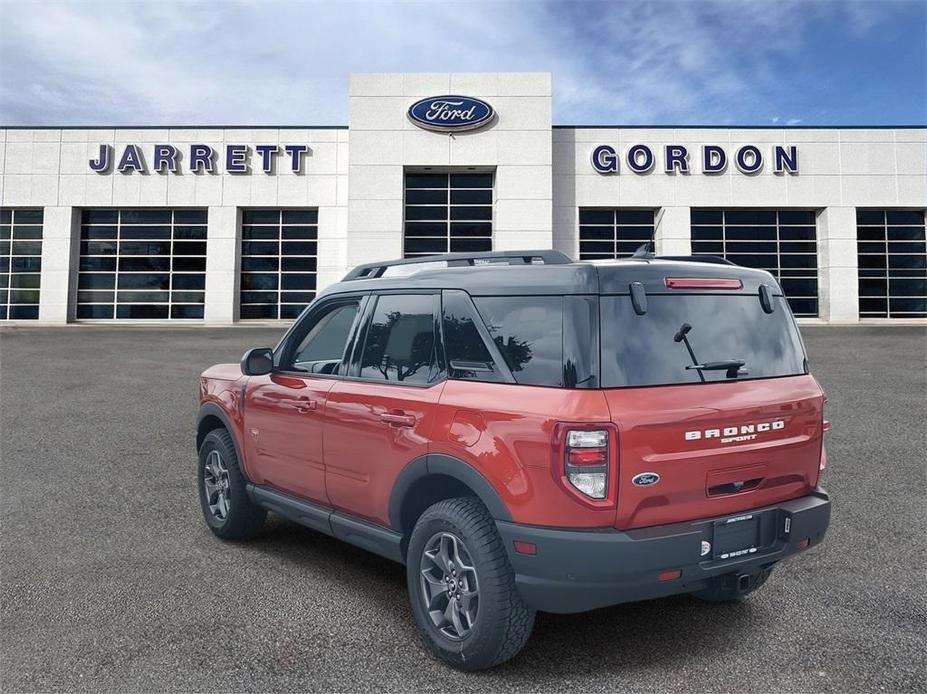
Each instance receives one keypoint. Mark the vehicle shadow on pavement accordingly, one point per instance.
(657, 634)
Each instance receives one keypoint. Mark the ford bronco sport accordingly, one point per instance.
(525, 432)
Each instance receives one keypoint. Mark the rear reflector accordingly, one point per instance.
(804, 543)
(669, 575)
(702, 283)
(523, 547)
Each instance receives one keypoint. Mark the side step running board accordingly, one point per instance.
(373, 538)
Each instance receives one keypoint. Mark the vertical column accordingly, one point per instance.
(60, 257)
(838, 287)
(674, 231)
(223, 241)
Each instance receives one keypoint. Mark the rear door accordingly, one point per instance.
(697, 443)
(380, 418)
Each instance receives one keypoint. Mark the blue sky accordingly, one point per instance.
(261, 62)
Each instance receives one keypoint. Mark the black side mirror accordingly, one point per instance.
(257, 361)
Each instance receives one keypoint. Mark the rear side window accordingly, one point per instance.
(467, 355)
(528, 330)
(400, 343)
(640, 350)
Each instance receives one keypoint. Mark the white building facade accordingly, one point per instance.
(219, 225)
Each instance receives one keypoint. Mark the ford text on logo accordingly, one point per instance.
(748, 159)
(450, 113)
(645, 479)
(745, 432)
(202, 158)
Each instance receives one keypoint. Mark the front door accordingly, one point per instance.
(380, 419)
(284, 410)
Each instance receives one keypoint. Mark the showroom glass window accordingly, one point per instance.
(142, 264)
(613, 233)
(447, 212)
(784, 242)
(892, 257)
(20, 263)
(279, 252)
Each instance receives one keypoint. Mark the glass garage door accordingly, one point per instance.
(892, 255)
(279, 251)
(142, 264)
(20, 263)
(447, 212)
(613, 233)
(784, 242)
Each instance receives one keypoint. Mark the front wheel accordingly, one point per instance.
(462, 587)
(228, 511)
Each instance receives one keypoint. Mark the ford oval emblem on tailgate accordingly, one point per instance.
(645, 479)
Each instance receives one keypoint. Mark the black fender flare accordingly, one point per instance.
(212, 409)
(439, 464)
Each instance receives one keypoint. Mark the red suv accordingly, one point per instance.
(525, 432)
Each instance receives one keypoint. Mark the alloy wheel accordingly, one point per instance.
(216, 483)
(449, 585)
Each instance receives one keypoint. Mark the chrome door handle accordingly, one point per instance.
(399, 420)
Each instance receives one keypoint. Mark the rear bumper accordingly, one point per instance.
(579, 570)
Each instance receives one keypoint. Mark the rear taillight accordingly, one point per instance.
(586, 461)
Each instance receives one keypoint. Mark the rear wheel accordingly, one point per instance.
(462, 587)
(733, 587)
(228, 511)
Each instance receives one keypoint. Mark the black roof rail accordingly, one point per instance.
(542, 257)
(716, 259)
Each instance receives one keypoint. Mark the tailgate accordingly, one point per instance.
(718, 448)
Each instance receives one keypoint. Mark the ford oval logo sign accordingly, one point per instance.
(450, 113)
(645, 479)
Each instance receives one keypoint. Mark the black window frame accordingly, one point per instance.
(353, 368)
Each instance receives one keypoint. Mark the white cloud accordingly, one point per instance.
(288, 63)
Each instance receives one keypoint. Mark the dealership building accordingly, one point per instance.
(220, 224)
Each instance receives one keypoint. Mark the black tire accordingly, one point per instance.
(733, 587)
(241, 519)
(502, 621)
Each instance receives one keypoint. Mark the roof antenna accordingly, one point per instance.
(643, 252)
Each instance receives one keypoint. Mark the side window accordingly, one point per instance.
(467, 355)
(529, 333)
(400, 344)
(322, 348)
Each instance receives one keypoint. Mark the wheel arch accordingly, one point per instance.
(211, 417)
(433, 477)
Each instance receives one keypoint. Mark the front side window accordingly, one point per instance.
(528, 330)
(400, 345)
(322, 349)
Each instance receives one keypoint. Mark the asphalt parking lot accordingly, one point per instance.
(111, 581)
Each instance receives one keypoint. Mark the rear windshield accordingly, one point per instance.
(640, 350)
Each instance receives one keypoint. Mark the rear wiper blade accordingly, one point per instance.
(734, 367)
